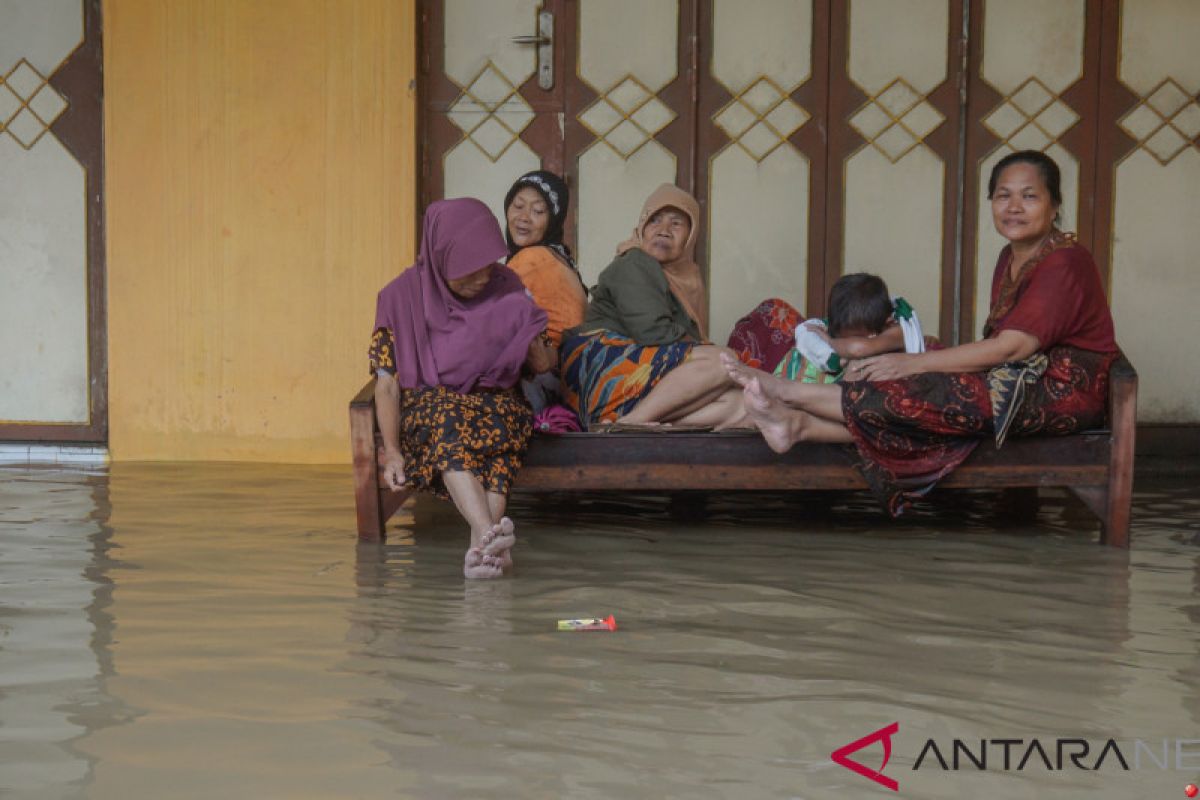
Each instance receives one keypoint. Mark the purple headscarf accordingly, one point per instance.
(443, 339)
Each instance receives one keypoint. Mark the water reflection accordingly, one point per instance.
(55, 628)
(212, 630)
(746, 652)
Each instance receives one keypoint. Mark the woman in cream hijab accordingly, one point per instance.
(642, 354)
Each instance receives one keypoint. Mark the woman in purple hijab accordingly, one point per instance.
(452, 335)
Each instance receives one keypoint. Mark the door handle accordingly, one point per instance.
(544, 39)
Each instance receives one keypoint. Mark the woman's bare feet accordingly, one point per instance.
(499, 541)
(779, 423)
(742, 374)
(489, 555)
(479, 566)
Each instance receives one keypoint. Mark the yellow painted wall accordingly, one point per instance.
(260, 190)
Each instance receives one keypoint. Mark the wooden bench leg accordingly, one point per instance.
(370, 518)
(1114, 530)
(367, 502)
(1096, 499)
(1113, 514)
(1114, 527)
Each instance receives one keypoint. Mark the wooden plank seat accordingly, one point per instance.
(1097, 465)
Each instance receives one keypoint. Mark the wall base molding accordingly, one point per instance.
(14, 454)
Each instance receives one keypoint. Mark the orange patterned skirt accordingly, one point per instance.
(484, 433)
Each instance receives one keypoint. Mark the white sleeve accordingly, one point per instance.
(812, 346)
(906, 316)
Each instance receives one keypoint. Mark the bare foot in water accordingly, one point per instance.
(498, 542)
(477, 565)
(771, 417)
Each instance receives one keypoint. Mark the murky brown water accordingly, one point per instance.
(205, 631)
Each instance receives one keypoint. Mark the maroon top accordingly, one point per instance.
(1059, 299)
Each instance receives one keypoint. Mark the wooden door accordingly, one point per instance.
(761, 151)
(1145, 232)
(632, 81)
(1034, 85)
(616, 119)
(895, 106)
(819, 137)
(53, 333)
(485, 120)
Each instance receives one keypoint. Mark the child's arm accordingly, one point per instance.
(889, 340)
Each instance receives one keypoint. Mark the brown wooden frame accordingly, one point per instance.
(1113, 144)
(436, 92)
(1097, 466)
(692, 136)
(845, 98)
(80, 128)
(810, 140)
(827, 140)
(1080, 140)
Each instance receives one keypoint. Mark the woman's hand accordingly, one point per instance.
(393, 470)
(886, 367)
(387, 411)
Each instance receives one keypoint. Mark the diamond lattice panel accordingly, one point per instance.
(896, 120)
(626, 116)
(491, 112)
(1166, 121)
(761, 118)
(1032, 118)
(28, 104)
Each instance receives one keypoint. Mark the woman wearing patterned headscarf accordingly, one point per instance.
(452, 334)
(641, 354)
(535, 211)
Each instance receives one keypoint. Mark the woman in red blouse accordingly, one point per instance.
(1041, 368)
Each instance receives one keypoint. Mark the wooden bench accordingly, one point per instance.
(1097, 466)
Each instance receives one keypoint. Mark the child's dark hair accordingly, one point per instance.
(859, 300)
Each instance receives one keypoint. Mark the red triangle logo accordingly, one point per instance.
(884, 735)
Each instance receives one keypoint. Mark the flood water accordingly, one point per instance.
(213, 631)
